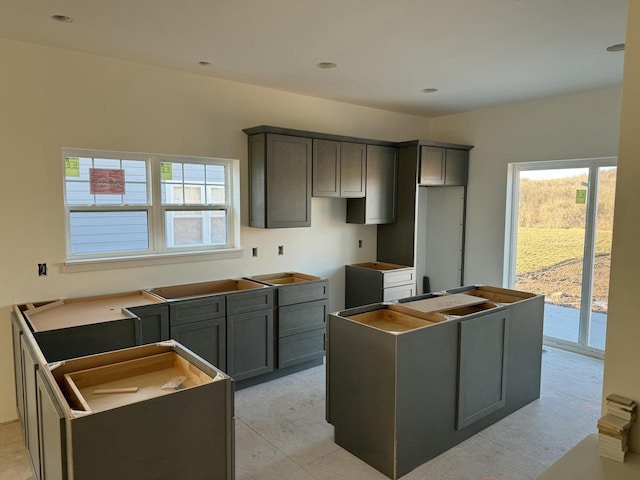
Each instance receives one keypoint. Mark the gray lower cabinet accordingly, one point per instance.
(301, 310)
(379, 204)
(73, 431)
(250, 339)
(407, 381)
(374, 282)
(280, 181)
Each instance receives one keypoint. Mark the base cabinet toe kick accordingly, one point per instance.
(408, 380)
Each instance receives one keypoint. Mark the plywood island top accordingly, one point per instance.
(443, 302)
(84, 311)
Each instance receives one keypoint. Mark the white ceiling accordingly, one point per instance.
(478, 53)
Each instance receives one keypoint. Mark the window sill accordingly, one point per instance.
(75, 266)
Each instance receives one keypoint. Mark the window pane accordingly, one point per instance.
(196, 228)
(101, 232)
(193, 184)
(78, 181)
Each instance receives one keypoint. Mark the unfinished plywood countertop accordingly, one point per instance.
(84, 311)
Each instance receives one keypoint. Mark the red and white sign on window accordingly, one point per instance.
(105, 181)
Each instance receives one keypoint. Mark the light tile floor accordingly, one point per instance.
(281, 433)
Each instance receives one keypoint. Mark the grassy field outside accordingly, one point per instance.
(540, 248)
(549, 261)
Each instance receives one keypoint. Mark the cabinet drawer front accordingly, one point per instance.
(396, 293)
(250, 301)
(301, 348)
(294, 319)
(398, 277)
(303, 292)
(187, 311)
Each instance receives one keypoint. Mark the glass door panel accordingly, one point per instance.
(550, 242)
(602, 257)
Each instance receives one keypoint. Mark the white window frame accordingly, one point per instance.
(158, 252)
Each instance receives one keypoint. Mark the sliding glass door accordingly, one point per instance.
(559, 244)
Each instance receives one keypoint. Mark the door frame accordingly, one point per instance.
(511, 237)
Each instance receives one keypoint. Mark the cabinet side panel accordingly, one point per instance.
(257, 178)
(181, 435)
(427, 389)
(16, 330)
(396, 241)
(525, 352)
(53, 440)
(361, 391)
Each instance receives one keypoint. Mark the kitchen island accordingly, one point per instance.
(407, 381)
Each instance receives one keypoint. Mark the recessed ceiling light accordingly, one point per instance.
(429, 90)
(618, 47)
(204, 63)
(61, 18)
(326, 65)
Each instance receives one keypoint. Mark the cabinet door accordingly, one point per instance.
(53, 443)
(326, 168)
(482, 366)
(288, 181)
(16, 332)
(30, 371)
(154, 322)
(379, 204)
(206, 338)
(432, 165)
(382, 166)
(456, 167)
(353, 169)
(250, 351)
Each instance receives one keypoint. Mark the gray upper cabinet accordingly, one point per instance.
(353, 170)
(443, 166)
(280, 181)
(339, 169)
(379, 205)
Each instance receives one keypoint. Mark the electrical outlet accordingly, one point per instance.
(42, 269)
(281, 250)
(255, 251)
(359, 243)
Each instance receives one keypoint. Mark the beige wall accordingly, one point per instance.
(621, 367)
(583, 125)
(52, 98)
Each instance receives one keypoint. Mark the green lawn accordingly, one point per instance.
(539, 248)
